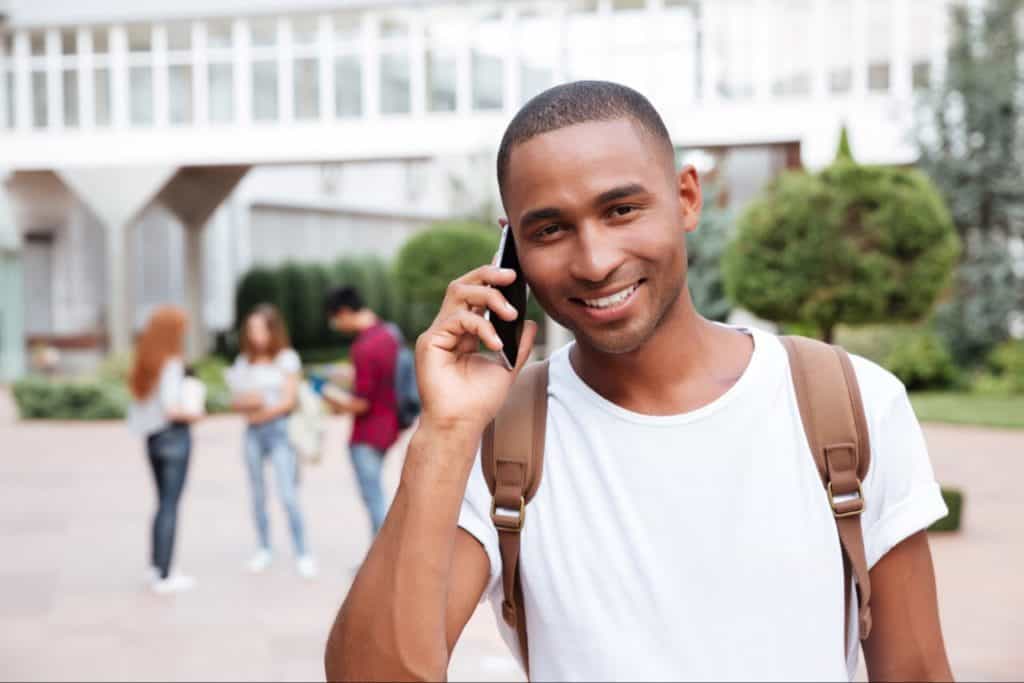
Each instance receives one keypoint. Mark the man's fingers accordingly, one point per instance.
(454, 329)
(477, 298)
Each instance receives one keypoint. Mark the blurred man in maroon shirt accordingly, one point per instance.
(372, 403)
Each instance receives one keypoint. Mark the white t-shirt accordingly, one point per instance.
(150, 415)
(700, 546)
(266, 378)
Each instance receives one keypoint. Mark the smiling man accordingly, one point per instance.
(681, 530)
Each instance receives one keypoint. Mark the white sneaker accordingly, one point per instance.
(260, 561)
(306, 567)
(175, 583)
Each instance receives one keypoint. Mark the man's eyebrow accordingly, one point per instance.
(620, 192)
(537, 215)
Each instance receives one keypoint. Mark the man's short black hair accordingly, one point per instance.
(579, 102)
(343, 297)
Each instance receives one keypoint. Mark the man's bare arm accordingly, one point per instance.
(421, 580)
(906, 637)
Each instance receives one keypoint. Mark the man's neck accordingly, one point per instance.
(687, 363)
(367, 320)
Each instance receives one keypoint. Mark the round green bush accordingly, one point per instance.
(852, 244)
(1007, 365)
(431, 259)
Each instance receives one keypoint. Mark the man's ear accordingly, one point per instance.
(691, 197)
(502, 222)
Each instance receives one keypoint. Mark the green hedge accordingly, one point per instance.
(915, 354)
(44, 399)
(298, 290)
(955, 502)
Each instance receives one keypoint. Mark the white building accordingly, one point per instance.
(160, 149)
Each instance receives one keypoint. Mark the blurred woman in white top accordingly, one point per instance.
(157, 414)
(264, 382)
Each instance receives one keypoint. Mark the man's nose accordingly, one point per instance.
(597, 257)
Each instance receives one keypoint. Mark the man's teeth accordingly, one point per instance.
(608, 301)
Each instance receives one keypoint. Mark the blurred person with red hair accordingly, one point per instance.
(265, 382)
(157, 413)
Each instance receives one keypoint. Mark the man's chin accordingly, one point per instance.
(612, 342)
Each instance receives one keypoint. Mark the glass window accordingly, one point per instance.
(440, 82)
(264, 91)
(37, 43)
(393, 28)
(923, 28)
(584, 6)
(140, 37)
(348, 86)
(879, 39)
(878, 77)
(218, 34)
(69, 42)
(487, 81)
(179, 36)
(70, 86)
(922, 75)
(264, 32)
(839, 45)
(222, 93)
(347, 27)
(734, 38)
(305, 30)
(620, 5)
(306, 78)
(101, 41)
(101, 97)
(533, 80)
(140, 85)
(40, 111)
(793, 76)
(8, 86)
(180, 94)
(394, 86)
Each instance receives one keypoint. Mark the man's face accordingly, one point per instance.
(344, 321)
(599, 216)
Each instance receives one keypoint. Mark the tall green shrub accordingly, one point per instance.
(704, 251)
(302, 293)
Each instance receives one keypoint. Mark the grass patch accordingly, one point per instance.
(972, 409)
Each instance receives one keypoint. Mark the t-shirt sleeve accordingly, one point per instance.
(901, 493)
(289, 362)
(475, 518)
(171, 378)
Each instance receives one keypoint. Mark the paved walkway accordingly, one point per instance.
(75, 502)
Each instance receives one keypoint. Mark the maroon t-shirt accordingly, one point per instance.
(374, 353)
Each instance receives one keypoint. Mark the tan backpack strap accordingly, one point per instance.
(833, 417)
(512, 458)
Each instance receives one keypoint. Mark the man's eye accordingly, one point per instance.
(624, 210)
(548, 231)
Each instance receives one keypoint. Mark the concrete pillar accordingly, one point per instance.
(193, 194)
(12, 302)
(117, 196)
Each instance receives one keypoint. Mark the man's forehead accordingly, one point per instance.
(594, 153)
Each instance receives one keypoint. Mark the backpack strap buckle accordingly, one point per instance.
(503, 518)
(846, 504)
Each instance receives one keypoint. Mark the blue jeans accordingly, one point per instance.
(270, 440)
(168, 452)
(368, 463)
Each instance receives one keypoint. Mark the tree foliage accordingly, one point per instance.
(852, 244)
(704, 251)
(971, 140)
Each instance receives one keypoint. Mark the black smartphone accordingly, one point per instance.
(510, 332)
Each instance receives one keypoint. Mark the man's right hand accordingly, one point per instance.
(460, 388)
